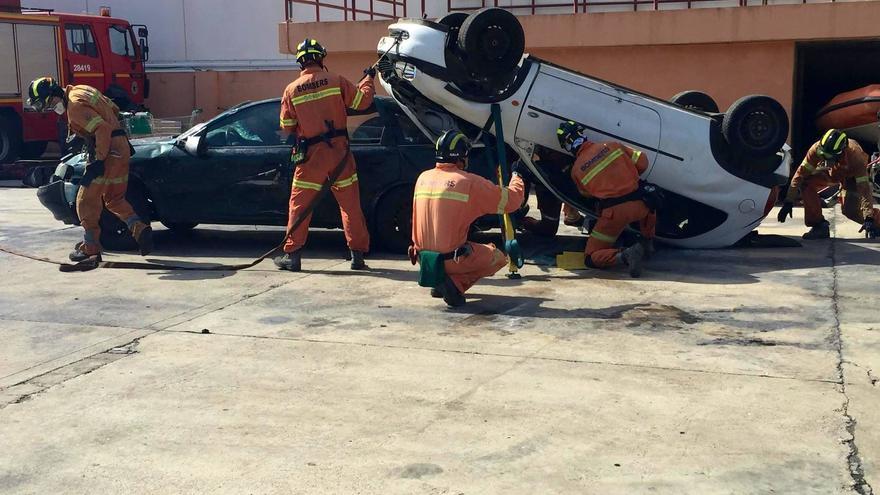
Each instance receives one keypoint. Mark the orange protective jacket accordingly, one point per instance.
(447, 200)
(91, 114)
(607, 170)
(318, 95)
(852, 165)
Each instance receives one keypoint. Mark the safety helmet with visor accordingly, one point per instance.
(832, 145)
(452, 147)
(44, 93)
(309, 50)
(571, 135)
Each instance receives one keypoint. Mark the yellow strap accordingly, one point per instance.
(503, 203)
(104, 180)
(306, 185)
(599, 167)
(316, 96)
(455, 196)
(93, 123)
(357, 100)
(595, 234)
(863, 179)
(346, 182)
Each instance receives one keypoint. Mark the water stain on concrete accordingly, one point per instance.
(417, 471)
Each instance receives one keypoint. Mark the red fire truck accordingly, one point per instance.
(100, 51)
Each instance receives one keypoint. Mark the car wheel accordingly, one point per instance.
(756, 125)
(453, 24)
(180, 227)
(10, 140)
(115, 235)
(695, 100)
(32, 150)
(493, 41)
(393, 220)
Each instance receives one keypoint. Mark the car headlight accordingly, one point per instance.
(405, 70)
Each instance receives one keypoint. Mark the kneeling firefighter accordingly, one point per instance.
(447, 200)
(833, 159)
(313, 110)
(93, 117)
(609, 172)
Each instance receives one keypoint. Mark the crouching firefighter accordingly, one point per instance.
(609, 172)
(313, 111)
(92, 116)
(834, 159)
(447, 200)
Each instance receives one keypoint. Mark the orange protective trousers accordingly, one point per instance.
(484, 261)
(307, 182)
(600, 251)
(107, 191)
(851, 206)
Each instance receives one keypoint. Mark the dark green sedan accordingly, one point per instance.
(235, 169)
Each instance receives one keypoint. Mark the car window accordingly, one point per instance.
(252, 126)
(408, 130)
(80, 40)
(370, 132)
(121, 42)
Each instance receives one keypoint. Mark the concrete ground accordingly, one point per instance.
(737, 371)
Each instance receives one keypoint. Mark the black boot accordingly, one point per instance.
(290, 261)
(357, 261)
(648, 247)
(821, 230)
(78, 255)
(145, 241)
(451, 296)
(632, 257)
(435, 292)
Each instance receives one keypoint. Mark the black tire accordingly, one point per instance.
(453, 23)
(32, 150)
(695, 100)
(10, 139)
(115, 235)
(180, 227)
(493, 41)
(756, 125)
(393, 220)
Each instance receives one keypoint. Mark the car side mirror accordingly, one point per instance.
(142, 32)
(196, 146)
(145, 50)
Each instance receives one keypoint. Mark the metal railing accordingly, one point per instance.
(354, 10)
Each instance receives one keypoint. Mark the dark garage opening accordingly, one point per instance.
(823, 70)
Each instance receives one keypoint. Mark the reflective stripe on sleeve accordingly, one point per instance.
(93, 123)
(288, 122)
(306, 185)
(346, 182)
(635, 156)
(455, 196)
(115, 180)
(299, 100)
(599, 167)
(357, 100)
(863, 179)
(808, 167)
(595, 234)
(502, 204)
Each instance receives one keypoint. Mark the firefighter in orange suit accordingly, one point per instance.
(610, 172)
(447, 200)
(313, 109)
(833, 159)
(93, 117)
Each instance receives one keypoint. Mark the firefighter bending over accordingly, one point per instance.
(609, 172)
(313, 110)
(93, 117)
(834, 159)
(446, 202)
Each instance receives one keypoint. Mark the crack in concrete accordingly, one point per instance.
(41, 383)
(853, 459)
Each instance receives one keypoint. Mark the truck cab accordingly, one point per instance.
(100, 51)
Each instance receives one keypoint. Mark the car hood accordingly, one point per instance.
(145, 149)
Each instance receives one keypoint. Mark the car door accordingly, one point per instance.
(244, 174)
(609, 113)
(83, 62)
(122, 61)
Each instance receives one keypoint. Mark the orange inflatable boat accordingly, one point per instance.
(851, 109)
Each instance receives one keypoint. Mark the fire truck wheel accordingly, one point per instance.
(10, 140)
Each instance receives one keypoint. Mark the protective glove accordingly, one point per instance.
(94, 170)
(370, 71)
(870, 229)
(786, 210)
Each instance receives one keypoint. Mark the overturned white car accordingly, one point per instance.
(720, 172)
